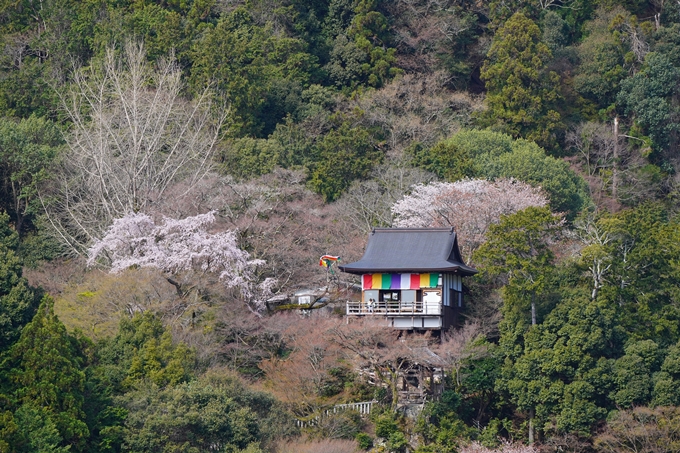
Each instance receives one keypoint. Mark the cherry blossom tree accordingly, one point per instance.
(133, 135)
(469, 205)
(176, 246)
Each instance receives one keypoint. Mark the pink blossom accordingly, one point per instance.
(182, 245)
(469, 205)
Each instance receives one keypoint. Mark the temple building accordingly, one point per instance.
(412, 277)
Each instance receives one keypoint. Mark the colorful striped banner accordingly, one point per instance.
(405, 281)
(399, 281)
(415, 281)
(396, 281)
(386, 281)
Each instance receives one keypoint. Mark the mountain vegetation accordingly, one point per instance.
(170, 172)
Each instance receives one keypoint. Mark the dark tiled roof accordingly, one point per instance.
(416, 250)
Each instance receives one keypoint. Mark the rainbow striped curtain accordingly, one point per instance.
(399, 281)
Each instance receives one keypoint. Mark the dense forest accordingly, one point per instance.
(169, 168)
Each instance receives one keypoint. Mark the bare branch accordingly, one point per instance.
(133, 135)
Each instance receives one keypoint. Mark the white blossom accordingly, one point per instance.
(469, 205)
(182, 245)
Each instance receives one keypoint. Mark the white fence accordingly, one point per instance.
(364, 408)
(394, 308)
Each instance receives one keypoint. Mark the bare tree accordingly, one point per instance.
(132, 136)
(302, 378)
(278, 220)
(367, 204)
(457, 346)
(615, 169)
(597, 156)
(641, 429)
(505, 447)
(370, 345)
(658, 10)
(597, 254)
(416, 109)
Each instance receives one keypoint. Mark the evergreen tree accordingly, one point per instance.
(651, 97)
(344, 154)
(45, 371)
(17, 300)
(27, 149)
(521, 93)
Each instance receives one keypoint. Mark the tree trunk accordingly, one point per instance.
(177, 285)
(531, 426)
(615, 165)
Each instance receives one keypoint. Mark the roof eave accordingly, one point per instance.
(445, 270)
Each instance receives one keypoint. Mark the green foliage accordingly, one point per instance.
(644, 273)
(46, 374)
(142, 363)
(527, 162)
(161, 29)
(632, 374)
(250, 66)
(563, 370)
(666, 390)
(602, 62)
(17, 300)
(213, 410)
(517, 248)
(501, 11)
(360, 55)
(667, 42)
(36, 431)
(144, 352)
(488, 154)
(26, 91)
(479, 385)
(555, 31)
(343, 155)
(440, 424)
(445, 159)
(476, 143)
(521, 93)
(651, 96)
(385, 425)
(397, 442)
(584, 357)
(28, 148)
(248, 157)
(42, 42)
(364, 440)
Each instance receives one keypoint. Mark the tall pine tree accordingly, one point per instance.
(47, 383)
(521, 93)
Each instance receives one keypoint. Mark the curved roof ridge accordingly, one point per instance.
(417, 250)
